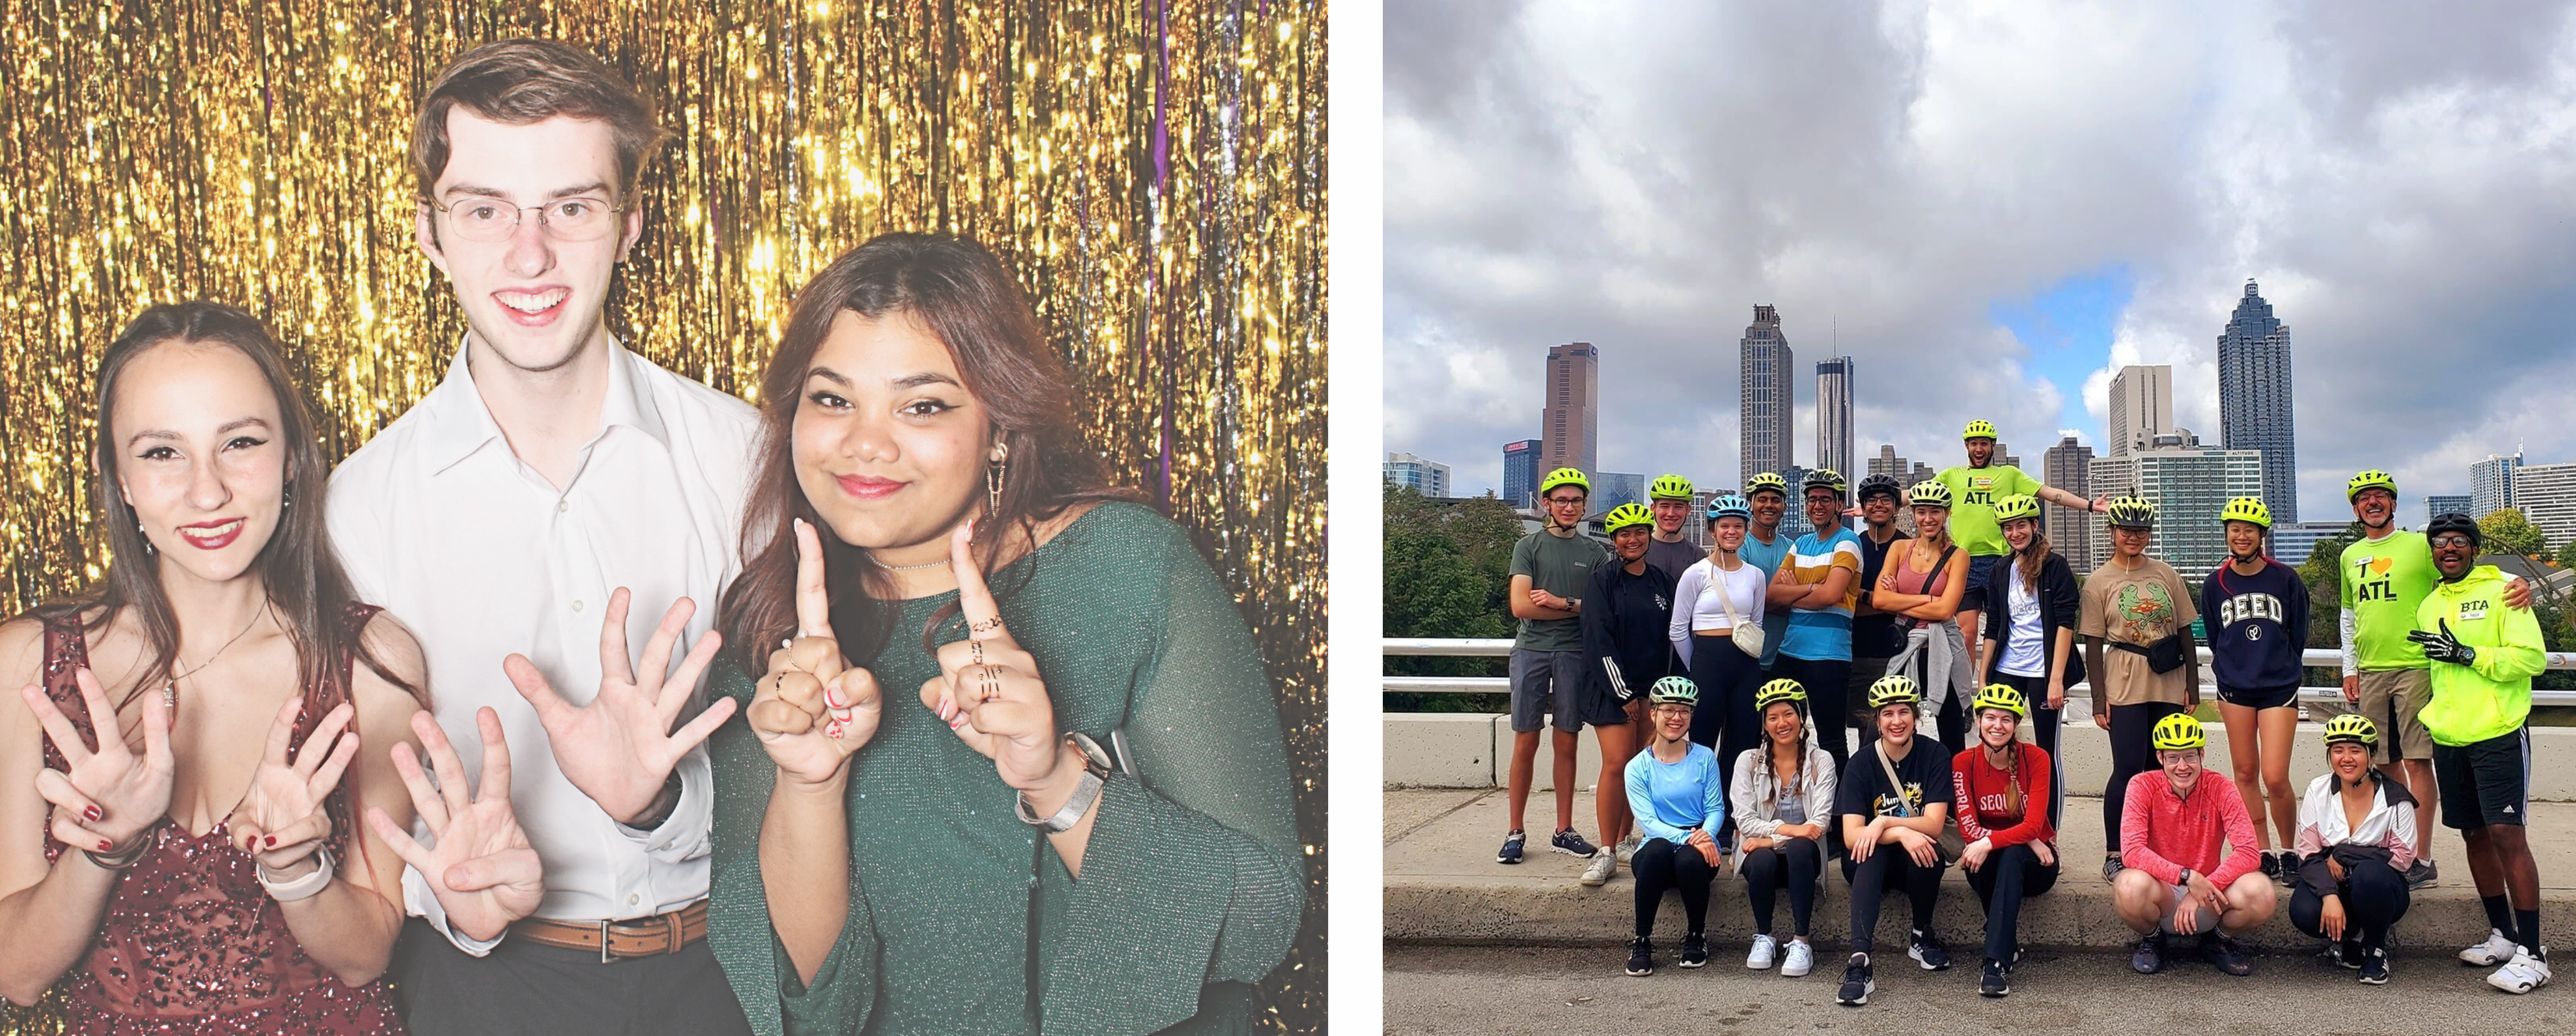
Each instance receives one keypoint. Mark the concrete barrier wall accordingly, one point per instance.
(1473, 750)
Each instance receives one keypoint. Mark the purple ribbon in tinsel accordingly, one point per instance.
(1162, 182)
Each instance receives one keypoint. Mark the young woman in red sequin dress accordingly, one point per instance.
(194, 738)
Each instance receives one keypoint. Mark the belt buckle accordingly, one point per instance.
(604, 958)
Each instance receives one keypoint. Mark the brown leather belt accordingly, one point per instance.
(640, 937)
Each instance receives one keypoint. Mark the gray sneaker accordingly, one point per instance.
(1628, 848)
(2422, 875)
(1599, 872)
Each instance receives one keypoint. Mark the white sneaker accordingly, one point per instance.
(1801, 959)
(2496, 950)
(1628, 848)
(1765, 950)
(2522, 974)
(1602, 867)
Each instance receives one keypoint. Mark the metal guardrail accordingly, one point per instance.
(1430, 647)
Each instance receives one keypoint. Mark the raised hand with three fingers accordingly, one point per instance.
(620, 748)
(281, 821)
(111, 798)
(483, 871)
(813, 708)
(989, 691)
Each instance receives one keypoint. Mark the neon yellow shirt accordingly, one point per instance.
(2384, 581)
(2491, 696)
(1973, 492)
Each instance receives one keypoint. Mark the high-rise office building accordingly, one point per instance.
(2254, 411)
(1520, 472)
(2491, 484)
(1887, 463)
(1768, 404)
(2141, 407)
(1569, 424)
(1426, 477)
(2293, 544)
(2439, 505)
(2069, 466)
(1834, 415)
(1611, 488)
(2189, 486)
(2546, 494)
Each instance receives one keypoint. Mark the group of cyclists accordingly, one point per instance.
(1789, 698)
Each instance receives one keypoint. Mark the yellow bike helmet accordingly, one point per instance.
(1778, 691)
(1669, 487)
(2372, 479)
(2246, 509)
(1929, 493)
(1626, 516)
(2016, 506)
(2001, 696)
(2351, 728)
(1826, 478)
(2129, 512)
(1564, 477)
(2177, 732)
(1977, 429)
(1893, 690)
(1673, 690)
(1770, 480)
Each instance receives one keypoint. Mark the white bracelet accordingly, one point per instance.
(306, 887)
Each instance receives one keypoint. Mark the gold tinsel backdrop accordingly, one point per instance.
(1153, 169)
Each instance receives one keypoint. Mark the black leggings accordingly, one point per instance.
(1825, 681)
(1725, 720)
(2045, 724)
(2009, 875)
(1660, 867)
(2374, 897)
(1888, 864)
(2132, 729)
(1794, 862)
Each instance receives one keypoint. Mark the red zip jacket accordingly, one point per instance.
(1980, 791)
(2161, 832)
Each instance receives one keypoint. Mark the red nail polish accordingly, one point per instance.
(272, 841)
(92, 813)
(106, 846)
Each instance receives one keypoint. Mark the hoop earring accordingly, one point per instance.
(995, 471)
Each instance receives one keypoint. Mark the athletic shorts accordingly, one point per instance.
(2276, 698)
(2394, 699)
(1981, 567)
(2485, 783)
(1547, 685)
(2204, 920)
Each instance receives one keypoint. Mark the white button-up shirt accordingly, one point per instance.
(480, 556)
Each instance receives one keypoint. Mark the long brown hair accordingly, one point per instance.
(969, 301)
(307, 589)
(2028, 561)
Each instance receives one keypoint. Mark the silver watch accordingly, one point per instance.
(1095, 767)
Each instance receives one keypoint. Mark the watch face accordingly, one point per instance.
(1091, 750)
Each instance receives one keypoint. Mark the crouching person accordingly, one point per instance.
(2187, 849)
(2352, 883)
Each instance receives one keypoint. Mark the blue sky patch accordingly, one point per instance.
(2068, 327)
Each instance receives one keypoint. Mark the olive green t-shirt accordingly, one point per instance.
(2140, 607)
(1973, 492)
(1561, 565)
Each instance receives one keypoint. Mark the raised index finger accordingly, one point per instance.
(974, 599)
(813, 602)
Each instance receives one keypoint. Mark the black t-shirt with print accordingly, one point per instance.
(1864, 793)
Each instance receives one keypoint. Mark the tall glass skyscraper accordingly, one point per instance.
(1768, 400)
(1834, 447)
(2254, 399)
(1520, 471)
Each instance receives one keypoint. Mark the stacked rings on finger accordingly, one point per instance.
(989, 682)
(987, 626)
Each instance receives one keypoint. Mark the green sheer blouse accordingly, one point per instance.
(962, 919)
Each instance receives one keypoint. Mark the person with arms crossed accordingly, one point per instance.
(1678, 795)
(1976, 487)
(1818, 585)
(2137, 627)
(508, 518)
(1922, 588)
(1783, 796)
(1549, 570)
(1624, 652)
(2356, 836)
(2483, 652)
(1876, 635)
(2189, 849)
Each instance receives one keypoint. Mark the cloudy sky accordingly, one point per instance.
(1991, 207)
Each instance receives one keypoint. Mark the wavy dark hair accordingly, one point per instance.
(969, 301)
(307, 589)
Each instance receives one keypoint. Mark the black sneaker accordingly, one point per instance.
(1995, 982)
(2374, 967)
(2111, 868)
(1512, 847)
(1927, 950)
(2222, 953)
(1572, 844)
(2149, 957)
(1641, 956)
(2271, 865)
(1694, 950)
(2345, 955)
(1857, 984)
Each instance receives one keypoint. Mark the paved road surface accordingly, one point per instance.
(1551, 991)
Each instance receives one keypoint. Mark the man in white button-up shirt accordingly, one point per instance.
(499, 516)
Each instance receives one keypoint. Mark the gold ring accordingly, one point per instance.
(975, 650)
(988, 625)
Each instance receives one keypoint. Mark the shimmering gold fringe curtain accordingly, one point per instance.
(1154, 170)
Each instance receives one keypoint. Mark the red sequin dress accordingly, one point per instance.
(191, 942)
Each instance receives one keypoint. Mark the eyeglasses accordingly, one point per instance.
(2452, 539)
(489, 220)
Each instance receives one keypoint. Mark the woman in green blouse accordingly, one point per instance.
(954, 853)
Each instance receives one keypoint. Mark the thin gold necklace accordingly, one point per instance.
(170, 690)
